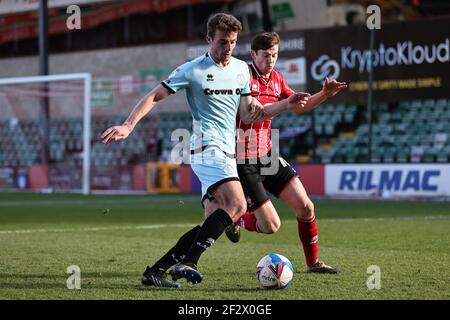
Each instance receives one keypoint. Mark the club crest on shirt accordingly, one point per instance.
(240, 79)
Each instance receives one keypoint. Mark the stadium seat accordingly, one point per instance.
(443, 155)
(349, 116)
(416, 153)
(389, 154)
(416, 104)
(440, 103)
(382, 107)
(329, 129)
(402, 154)
(318, 128)
(429, 154)
(376, 155)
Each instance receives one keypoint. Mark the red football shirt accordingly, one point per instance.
(253, 140)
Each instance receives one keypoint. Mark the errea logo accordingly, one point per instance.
(209, 77)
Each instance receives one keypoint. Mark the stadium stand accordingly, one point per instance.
(408, 132)
(411, 131)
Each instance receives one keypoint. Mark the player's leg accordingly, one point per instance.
(228, 204)
(261, 215)
(294, 194)
(220, 184)
(156, 274)
(263, 219)
(178, 252)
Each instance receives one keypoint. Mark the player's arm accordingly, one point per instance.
(251, 110)
(329, 89)
(139, 111)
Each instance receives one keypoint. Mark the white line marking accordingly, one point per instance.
(186, 225)
(407, 218)
(95, 229)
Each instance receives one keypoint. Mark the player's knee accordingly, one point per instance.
(306, 211)
(273, 227)
(235, 207)
(269, 226)
(241, 207)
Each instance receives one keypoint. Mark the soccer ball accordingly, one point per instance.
(274, 271)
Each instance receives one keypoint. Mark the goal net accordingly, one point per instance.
(50, 128)
(45, 133)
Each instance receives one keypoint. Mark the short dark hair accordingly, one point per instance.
(265, 40)
(224, 22)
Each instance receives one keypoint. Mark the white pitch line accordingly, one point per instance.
(186, 225)
(407, 218)
(95, 229)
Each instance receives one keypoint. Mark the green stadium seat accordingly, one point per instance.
(402, 154)
(321, 119)
(404, 105)
(429, 103)
(443, 155)
(325, 155)
(397, 116)
(362, 130)
(382, 107)
(440, 103)
(341, 108)
(399, 128)
(417, 153)
(416, 104)
(349, 116)
(329, 129)
(389, 154)
(318, 128)
(384, 118)
(429, 154)
(350, 156)
(376, 155)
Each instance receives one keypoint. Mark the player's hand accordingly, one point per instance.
(115, 133)
(256, 109)
(331, 88)
(298, 101)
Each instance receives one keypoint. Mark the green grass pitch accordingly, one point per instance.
(113, 238)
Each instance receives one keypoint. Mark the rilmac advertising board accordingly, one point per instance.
(390, 180)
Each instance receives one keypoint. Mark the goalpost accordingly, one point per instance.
(23, 94)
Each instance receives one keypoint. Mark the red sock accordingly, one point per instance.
(248, 221)
(308, 234)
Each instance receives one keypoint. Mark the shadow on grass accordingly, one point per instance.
(65, 276)
(93, 280)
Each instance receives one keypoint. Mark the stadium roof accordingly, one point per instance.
(21, 23)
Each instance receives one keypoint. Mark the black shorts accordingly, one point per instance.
(255, 183)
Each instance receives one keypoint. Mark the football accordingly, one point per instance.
(274, 271)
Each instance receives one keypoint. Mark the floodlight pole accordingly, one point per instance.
(369, 94)
(267, 19)
(43, 71)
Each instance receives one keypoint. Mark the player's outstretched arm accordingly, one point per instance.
(251, 110)
(139, 111)
(329, 89)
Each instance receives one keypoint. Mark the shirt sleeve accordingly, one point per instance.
(286, 91)
(246, 88)
(178, 79)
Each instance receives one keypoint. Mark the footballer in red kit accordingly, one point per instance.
(254, 148)
(253, 140)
